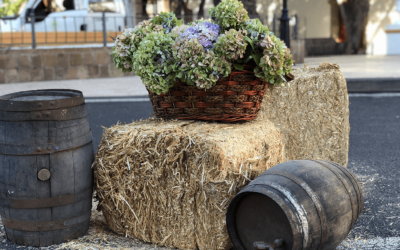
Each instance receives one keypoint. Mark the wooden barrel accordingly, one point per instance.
(46, 153)
(309, 204)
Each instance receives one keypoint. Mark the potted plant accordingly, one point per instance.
(214, 69)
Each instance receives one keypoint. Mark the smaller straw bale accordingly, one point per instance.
(312, 113)
(170, 182)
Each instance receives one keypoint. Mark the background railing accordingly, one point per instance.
(34, 30)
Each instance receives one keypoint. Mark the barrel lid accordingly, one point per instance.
(253, 216)
(43, 99)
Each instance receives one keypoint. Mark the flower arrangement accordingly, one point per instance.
(162, 50)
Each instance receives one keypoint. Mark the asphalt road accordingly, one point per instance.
(374, 157)
(106, 114)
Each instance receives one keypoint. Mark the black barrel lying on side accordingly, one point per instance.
(46, 153)
(307, 204)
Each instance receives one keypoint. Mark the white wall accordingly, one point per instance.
(314, 15)
(381, 13)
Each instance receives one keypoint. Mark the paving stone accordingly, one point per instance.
(93, 71)
(60, 73)
(11, 75)
(62, 60)
(104, 70)
(88, 59)
(36, 61)
(24, 75)
(102, 57)
(37, 75)
(50, 60)
(82, 72)
(71, 73)
(24, 61)
(76, 59)
(2, 76)
(49, 74)
(8, 62)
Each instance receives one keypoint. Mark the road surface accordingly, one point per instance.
(374, 157)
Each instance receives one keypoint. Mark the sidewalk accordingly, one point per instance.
(362, 66)
(363, 74)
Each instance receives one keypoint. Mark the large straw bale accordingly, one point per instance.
(170, 183)
(312, 114)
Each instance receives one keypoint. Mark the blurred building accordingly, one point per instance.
(319, 22)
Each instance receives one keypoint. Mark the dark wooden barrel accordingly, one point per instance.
(46, 154)
(309, 204)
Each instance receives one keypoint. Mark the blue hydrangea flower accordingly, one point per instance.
(206, 33)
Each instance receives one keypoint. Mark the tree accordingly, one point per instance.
(353, 14)
(251, 7)
(177, 6)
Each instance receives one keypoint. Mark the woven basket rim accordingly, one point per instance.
(232, 99)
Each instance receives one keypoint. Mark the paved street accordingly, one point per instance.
(374, 138)
(373, 157)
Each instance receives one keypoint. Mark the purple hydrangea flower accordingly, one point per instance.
(206, 34)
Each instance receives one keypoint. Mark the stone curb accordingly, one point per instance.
(371, 85)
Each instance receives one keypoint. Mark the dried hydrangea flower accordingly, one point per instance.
(198, 66)
(229, 14)
(276, 62)
(122, 51)
(154, 62)
(127, 43)
(167, 20)
(205, 32)
(178, 30)
(231, 45)
(256, 32)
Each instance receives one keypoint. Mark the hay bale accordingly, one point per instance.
(312, 114)
(170, 183)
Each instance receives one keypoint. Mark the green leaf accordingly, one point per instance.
(251, 42)
(168, 69)
(179, 22)
(248, 59)
(238, 66)
(257, 57)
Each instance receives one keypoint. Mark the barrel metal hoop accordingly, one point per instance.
(314, 197)
(45, 202)
(75, 98)
(353, 206)
(301, 213)
(38, 226)
(354, 182)
(50, 148)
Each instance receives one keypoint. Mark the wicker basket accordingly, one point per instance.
(234, 98)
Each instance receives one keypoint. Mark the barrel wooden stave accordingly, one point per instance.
(42, 132)
(69, 166)
(310, 184)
